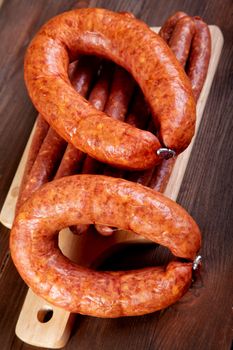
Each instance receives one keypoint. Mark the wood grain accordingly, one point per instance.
(202, 320)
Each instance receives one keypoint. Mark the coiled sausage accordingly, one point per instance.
(99, 199)
(162, 80)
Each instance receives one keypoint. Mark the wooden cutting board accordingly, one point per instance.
(44, 325)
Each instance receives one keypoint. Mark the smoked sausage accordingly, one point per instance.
(99, 199)
(161, 175)
(117, 103)
(52, 149)
(197, 66)
(196, 63)
(180, 30)
(98, 98)
(120, 95)
(41, 130)
(130, 43)
(137, 117)
(81, 79)
(44, 167)
(181, 39)
(168, 27)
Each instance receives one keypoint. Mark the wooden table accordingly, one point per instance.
(200, 322)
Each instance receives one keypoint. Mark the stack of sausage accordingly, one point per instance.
(111, 89)
(68, 200)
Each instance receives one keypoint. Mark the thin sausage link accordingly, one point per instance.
(168, 27)
(161, 175)
(143, 177)
(196, 68)
(81, 79)
(117, 105)
(98, 98)
(40, 133)
(122, 89)
(197, 65)
(47, 160)
(180, 41)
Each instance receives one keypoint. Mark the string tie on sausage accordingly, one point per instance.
(166, 153)
(197, 262)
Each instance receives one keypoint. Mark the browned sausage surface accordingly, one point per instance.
(181, 29)
(71, 162)
(41, 130)
(130, 43)
(138, 117)
(142, 177)
(139, 113)
(168, 27)
(181, 39)
(81, 78)
(98, 98)
(117, 106)
(100, 199)
(44, 167)
(197, 66)
(120, 95)
(161, 175)
(50, 154)
(180, 32)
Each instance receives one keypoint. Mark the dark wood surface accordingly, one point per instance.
(202, 320)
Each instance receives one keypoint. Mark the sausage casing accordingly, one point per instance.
(40, 133)
(181, 39)
(168, 27)
(161, 79)
(81, 78)
(99, 199)
(197, 66)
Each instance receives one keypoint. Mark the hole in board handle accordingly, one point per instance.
(44, 315)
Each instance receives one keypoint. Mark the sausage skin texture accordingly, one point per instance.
(120, 203)
(197, 66)
(120, 94)
(81, 78)
(138, 117)
(98, 98)
(181, 39)
(51, 152)
(129, 43)
(71, 162)
(143, 177)
(40, 133)
(117, 106)
(47, 160)
(99, 95)
(181, 35)
(161, 175)
(168, 27)
(196, 69)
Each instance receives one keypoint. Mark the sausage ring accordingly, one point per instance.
(91, 199)
(131, 44)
